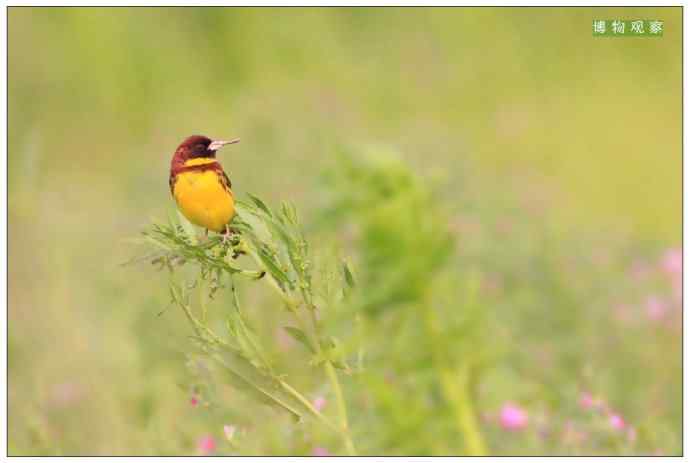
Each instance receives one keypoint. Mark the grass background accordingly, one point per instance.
(505, 111)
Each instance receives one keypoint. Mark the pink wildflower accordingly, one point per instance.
(672, 265)
(206, 445)
(194, 401)
(616, 421)
(586, 400)
(513, 417)
(319, 403)
(656, 308)
(672, 261)
(320, 452)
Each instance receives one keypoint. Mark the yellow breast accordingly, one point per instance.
(203, 199)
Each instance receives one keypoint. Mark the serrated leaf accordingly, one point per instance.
(299, 336)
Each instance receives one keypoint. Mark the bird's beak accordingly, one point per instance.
(218, 144)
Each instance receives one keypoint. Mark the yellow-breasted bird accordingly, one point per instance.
(199, 184)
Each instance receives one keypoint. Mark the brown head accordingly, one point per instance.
(198, 146)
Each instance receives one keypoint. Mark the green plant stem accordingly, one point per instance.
(342, 408)
(360, 342)
(202, 298)
(190, 317)
(303, 400)
(196, 325)
(343, 430)
(290, 303)
(455, 386)
(240, 317)
(337, 390)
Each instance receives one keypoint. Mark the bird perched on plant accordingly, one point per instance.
(199, 184)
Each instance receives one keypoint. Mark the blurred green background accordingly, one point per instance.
(547, 147)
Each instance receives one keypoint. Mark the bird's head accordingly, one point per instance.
(198, 146)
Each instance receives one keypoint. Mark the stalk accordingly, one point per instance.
(293, 306)
(455, 386)
(202, 299)
(342, 408)
(339, 398)
(303, 400)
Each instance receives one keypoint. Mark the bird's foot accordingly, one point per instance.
(230, 237)
(226, 239)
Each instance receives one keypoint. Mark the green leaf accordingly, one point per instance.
(299, 336)
(244, 206)
(331, 351)
(263, 389)
(289, 212)
(272, 266)
(246, 377)
(349, 279)
(317, 359)
(241, 225)
(279, 232)
(260, 204)
(177, 243)
(336, 354)
(188, 228)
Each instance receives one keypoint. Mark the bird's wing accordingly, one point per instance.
(227, 184)
(171, 182)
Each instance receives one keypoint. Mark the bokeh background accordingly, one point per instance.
(553, 158)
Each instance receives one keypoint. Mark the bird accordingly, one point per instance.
(200, 186)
